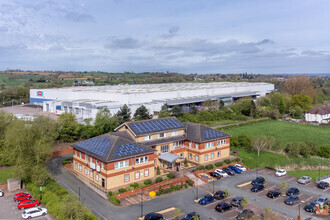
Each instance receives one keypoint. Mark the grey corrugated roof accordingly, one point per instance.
(169, 157)
(196, 132)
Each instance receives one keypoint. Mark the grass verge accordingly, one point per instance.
(312, 173)
(6, 173)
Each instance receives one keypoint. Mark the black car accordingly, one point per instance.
(292, 191)
(258, 180)
(153, 216)
(257, 187)
(291, 200)
(192, 216)
(229, 171)
(245, 214)
(219, 195)
(323, 185)
(223, 206)
(236, 201)
(216, 175)
(273, 194)
(310, 207)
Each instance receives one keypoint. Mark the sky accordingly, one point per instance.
(196, 36)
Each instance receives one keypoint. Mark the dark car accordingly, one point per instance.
(257, 187)
(245, 214)
(273, 194)
(291, 200)
(153, 216)
(236, 201)
(223, 206)
(310, 207)
(258, 180)
(229, 171)
(216, 175)
(323, 185)
(206, 199)
(192, 216)
(219, 194)
(237, 170)
(292, 191)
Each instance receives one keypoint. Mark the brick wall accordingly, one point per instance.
(3, 186)
(60, 152)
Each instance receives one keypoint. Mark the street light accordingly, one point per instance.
(299, 217)
(141, 205)
(320, 171)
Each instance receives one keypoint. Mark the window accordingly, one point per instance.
(146, 172)
(197, 158)
(174, 133)
(181, 155)
(164, 149)
(80, 154)
(161, 135)
(80, 168)
(96, 162)
(126, 178)
(76, 165)
(137, 175)
(190, 144)
(90, 159)
(121, 164)
(190, 156)
(224, 141)
(86, 157)
(102, 164)
(85, 171)
(91, 173)
(219, 154)
(209, 145)
(212, 156)
(148, 137)
(221, 142)
(141, 160)
(75, 152)
(197, 146)
(205, 157)
(145, 159)
(96, 177)
(177, 143)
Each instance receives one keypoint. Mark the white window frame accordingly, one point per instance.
(102, 165)
(146, 172)
(197, 158)
(137, 175)
(86, 157)
(148, 137)
(96, 177)
(190, 156)
(80, 154)
(91, 159)
(219, 154)
(91, 174)
(206, 157)
(80, 168)
(76, 165)
(121, 164)
(209, 145)
(190, 144)
(197, 146)
(126, 179)
(212, 156)
(141, 160)
(164, 149)
(175, 133)
(177, 143)
(76, 153)
(86, 171)
(162, 134)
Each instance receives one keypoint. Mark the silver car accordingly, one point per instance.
(322, 200)
(305, 180)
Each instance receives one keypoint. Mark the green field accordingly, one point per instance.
(6, 174)
(312, 173)
(285, 131)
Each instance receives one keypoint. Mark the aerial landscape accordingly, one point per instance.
(172, 110)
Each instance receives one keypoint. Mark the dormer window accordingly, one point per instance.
(148, 137)
(161, 135)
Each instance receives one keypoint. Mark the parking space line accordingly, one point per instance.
(308, 198)
(210, 204)
(291, 178)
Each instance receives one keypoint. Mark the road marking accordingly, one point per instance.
(212, 203)
(291, 178)
(309, 198)
(99, 214)
(244, 184)
(272, 187)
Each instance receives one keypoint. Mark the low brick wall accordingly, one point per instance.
(61, 152)
(3, 186)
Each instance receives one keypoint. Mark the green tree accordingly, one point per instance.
(296, 112)
(221, 104)
(253, 109)
(104, 122)
(244, 202)
(277, 101)
(284, 185)
(176, 111)
(301, 100)
(164, 114)
(68, 127)
(193, 109)
(142, 113)
(242, 106)
(72, 208)
(177, 214)
(124, 114)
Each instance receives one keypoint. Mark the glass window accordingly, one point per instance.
(97, 162)
(190, 156)
(219, 154)
(148, 137)
(80, 154)
(96, 177)
(116, 166)
(145, 159)
(146, 172)
(174, 133)
(164, 149)
(126, 178)
(85, 171)
(197, 146)
(190, 144)
(86, 157)
(76, 165)
(80, 168)
(161, 135)
(205, 157)
(126, 163)
(224, 141)
(91, 160)
(197, 158)
(137, 175)
(121, 164)
(142, 160)
(91, 173)
(102, 165)
(137, 160)
(212, 156)
(181, 155)
(75, 152)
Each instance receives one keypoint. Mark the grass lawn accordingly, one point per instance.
(267, 159)
(312, 173)
(5, 174)
(284, 131)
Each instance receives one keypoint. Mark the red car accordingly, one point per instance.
(27, 204)
(21, 196)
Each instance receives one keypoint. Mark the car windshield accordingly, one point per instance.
(281, 171)
(321, 200)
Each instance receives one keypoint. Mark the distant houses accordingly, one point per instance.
(319, 114)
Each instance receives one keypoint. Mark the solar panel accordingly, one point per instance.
(210, 134)
(98, 145)
(155, 125)
(128, 149)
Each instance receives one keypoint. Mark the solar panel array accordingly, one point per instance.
(210, 134)
(98, 145)
(155, 125)
(128, 149)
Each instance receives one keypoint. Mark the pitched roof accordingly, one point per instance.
(323, 110)
(112, 147)
(200, 133)
(164, 140)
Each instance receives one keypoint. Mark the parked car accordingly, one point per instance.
(215, 174)
(229, 171)
(192, 216)
(280, 172)
(153, 216)
(1, 193)
(21, 196)
(239, 166)
(257, 187)
(322, 200)
(273, 194)
(34, 212)
(223, 206)
(245, 214)
(292, 191)
(291, 200)
(206, 199)
(27, 204)
(219, 195)
(310, 207)
(323, 185)
(237, 170)
(258, 180)
(221, 172)
(305, 180)
(236, 201)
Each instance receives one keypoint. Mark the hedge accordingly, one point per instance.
(218, 164)
(227, 161)
(200, 168)
(148, 182)
(159, 179)
(209, 166)
(171, 175)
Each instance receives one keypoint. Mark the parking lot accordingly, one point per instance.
(9, 210)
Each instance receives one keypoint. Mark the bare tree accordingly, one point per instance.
(260, 143)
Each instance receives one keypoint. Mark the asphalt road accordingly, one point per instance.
(183, 199)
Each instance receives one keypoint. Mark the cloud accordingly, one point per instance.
(172, 31)
(123, 43)
(79, 17)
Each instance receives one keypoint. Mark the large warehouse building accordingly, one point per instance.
(85, 102)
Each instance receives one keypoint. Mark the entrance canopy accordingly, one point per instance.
(168, 157)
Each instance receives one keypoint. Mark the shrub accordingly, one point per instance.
(158, 170)
(227, 161)
(218, 164)
(134, 185)
(190, 182)
(110, 193)
(121, 190)
(114, 200)
(165, 191)
(324, 151)
(148, 182)
(67, 161)
(184, 186)
(159, 179)
(200, 168)
(292, 149)
(209, 166)
(171, 175)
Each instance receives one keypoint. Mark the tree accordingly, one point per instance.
(193, 109)
(296, 112)
(221, 104)
(164, 114)
(301, 100)
(243, 106)
(177, 214)
(68, 127)
(142, 113)
(210, 104)
(253, 110)
(176, 111)
(270, 215)
(124, 114)
(277, 101)
(244, 202)
(104, 123)
(260, 143)
(284, 185)
(299, 85)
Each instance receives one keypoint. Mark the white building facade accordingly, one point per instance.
(319, 114)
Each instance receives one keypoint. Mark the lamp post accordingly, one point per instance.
(141, 205)
(320, 171)
(299, 217)
(213, 186)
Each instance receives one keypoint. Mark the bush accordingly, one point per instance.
(218, 164)
(190, 182)
(324, 151)
(114, 200)
(292, 149)
(159, 179)
(184, 186)
(148, 182)
(158, 170)
(110, 194)
(171, 175)
(67, 161)
(121, 190)
(209, 166)
(134, 185)
(227, 161)
(165, 191)
(200, 168)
